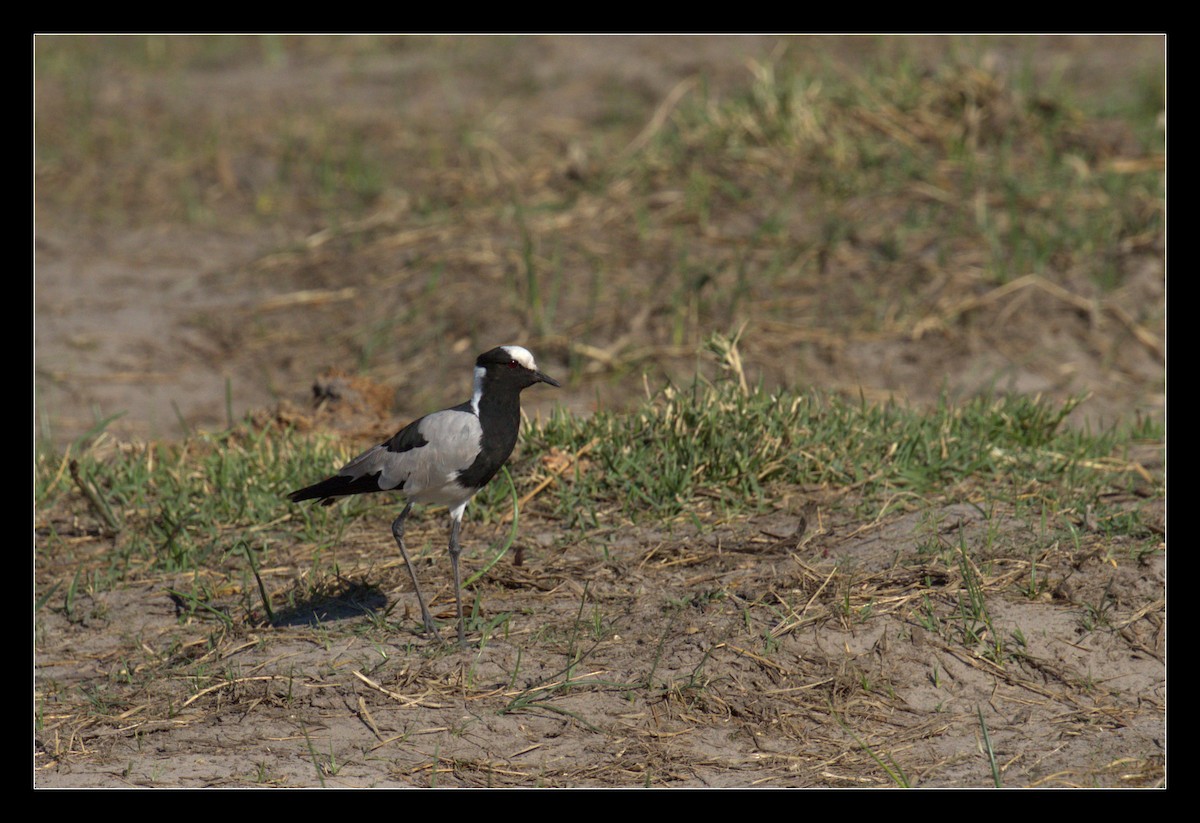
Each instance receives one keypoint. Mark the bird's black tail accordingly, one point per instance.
(336, 486)
(312, 493)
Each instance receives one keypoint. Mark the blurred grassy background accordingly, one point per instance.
(887, 215)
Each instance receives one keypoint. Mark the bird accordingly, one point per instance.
(445, 457)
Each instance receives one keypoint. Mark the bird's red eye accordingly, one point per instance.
(512, 364)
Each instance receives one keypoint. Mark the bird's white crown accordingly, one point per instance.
(521, 355)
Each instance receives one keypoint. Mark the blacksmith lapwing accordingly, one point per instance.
(444, 457)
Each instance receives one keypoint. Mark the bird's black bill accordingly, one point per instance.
(548, 379)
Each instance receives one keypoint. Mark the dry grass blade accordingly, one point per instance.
(660, 116)
(225, 684)
(307, 297)
(399, 698)
(98, 503)
(557, 468)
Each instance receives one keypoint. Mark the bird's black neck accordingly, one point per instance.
(499, 412)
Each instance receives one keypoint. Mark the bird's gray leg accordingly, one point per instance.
(455, 551)
(398, 533)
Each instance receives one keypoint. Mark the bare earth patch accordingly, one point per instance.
(652, 664)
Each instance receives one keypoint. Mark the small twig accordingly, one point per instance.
(780, 631)
(1153, 343)
(660, 116)
(764, 661)
(365, 714)
(1088, 307)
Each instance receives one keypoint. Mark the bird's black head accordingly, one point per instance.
(513, 365)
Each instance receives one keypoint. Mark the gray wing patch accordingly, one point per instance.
(423, 458)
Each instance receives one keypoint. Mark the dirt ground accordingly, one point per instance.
(778, 650)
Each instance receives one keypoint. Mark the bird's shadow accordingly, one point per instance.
(342, 601)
